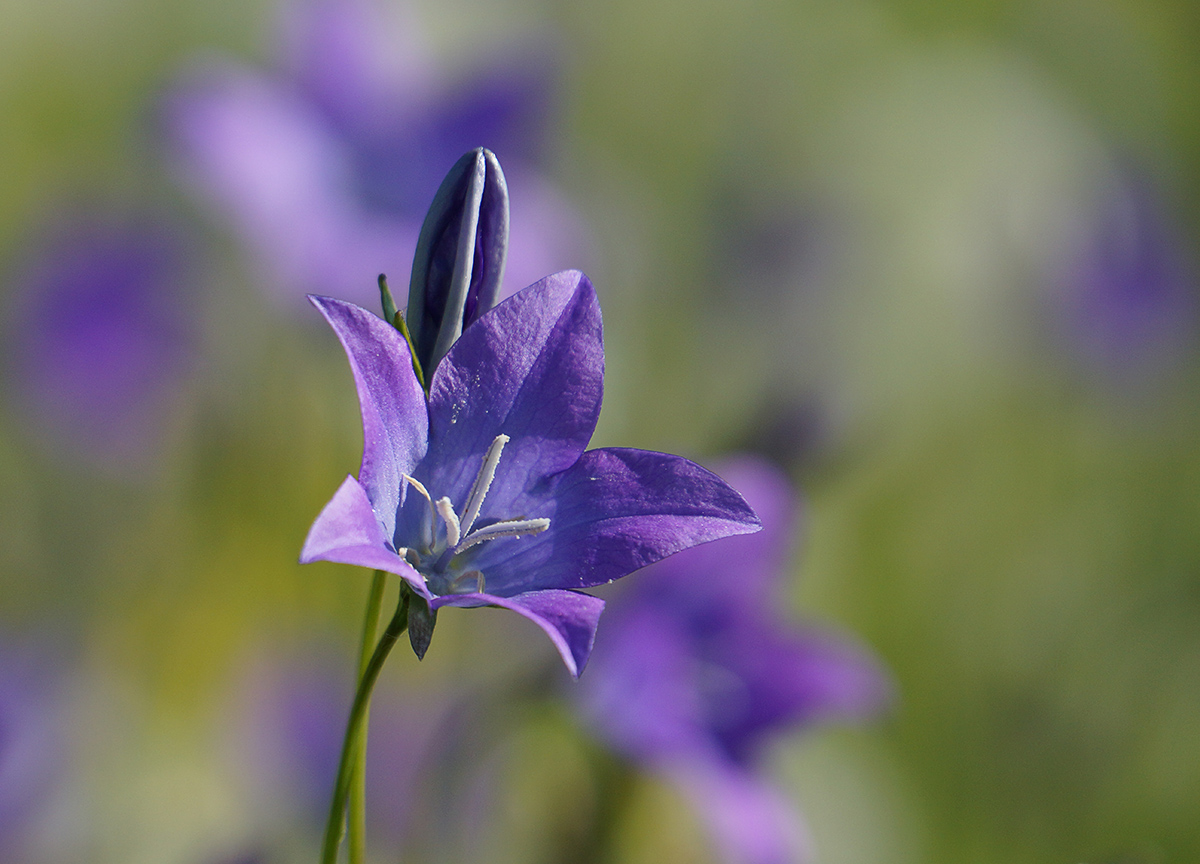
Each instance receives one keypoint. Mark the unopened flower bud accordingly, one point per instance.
(459, 262)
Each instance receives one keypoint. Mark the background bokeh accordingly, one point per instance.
(936, 258)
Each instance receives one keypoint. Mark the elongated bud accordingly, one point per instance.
(459, 262)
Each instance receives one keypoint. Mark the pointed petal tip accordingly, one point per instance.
(569, 618)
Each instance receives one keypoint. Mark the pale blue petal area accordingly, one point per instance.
(532, 368)
(568, 617)
(348, 532)
(394, 413)
(750, 821)
(614, 511)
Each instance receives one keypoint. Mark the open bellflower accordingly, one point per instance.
(695, 673)
(481, 493)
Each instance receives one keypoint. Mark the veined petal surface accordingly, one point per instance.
(532, 368)
(395, 421)
(614, 511)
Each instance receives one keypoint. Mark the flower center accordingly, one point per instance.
(445, 534)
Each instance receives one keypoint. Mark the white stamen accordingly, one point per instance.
(513, 528)
(483, 481)
(446, 510)
(428, 529)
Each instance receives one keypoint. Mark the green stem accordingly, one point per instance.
(357, 814)
(354, 728)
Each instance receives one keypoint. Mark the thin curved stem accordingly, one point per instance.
(356, 816)
(354, 727)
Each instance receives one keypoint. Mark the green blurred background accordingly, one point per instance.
(835, 231)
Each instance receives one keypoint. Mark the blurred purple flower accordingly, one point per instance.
(31, 744)
(327, 167)
(482, 494)
(293, 711)
(694, 673)
(99, 336)
(1129, 289)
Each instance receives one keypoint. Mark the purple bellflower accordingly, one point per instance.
(325, 166)
(695, 672)
(101, 337)
(480, 493)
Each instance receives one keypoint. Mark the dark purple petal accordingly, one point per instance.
(568, 617)
(617, 510)
(395, 424)
(347, 531)
(532, 368)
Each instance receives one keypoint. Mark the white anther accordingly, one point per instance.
(513, 528)
(446, 510)
(483, 482)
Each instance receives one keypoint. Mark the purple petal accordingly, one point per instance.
(750, 821)
(347, 531)
(617, 510)
(741, 569)
(395, 423)
(532, 368)
(568, 617)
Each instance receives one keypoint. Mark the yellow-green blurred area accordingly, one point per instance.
(860, 236)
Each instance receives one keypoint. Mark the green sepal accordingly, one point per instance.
(396, 318)
(421, 621)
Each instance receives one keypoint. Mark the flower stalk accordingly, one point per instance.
(356, 816)
(355, 738)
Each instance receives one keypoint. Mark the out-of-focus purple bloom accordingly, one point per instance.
(99, 336)
(293, 714)
(31, 744)
(1129, 289)
(482, 493)
(326, 166)
(695, 672)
